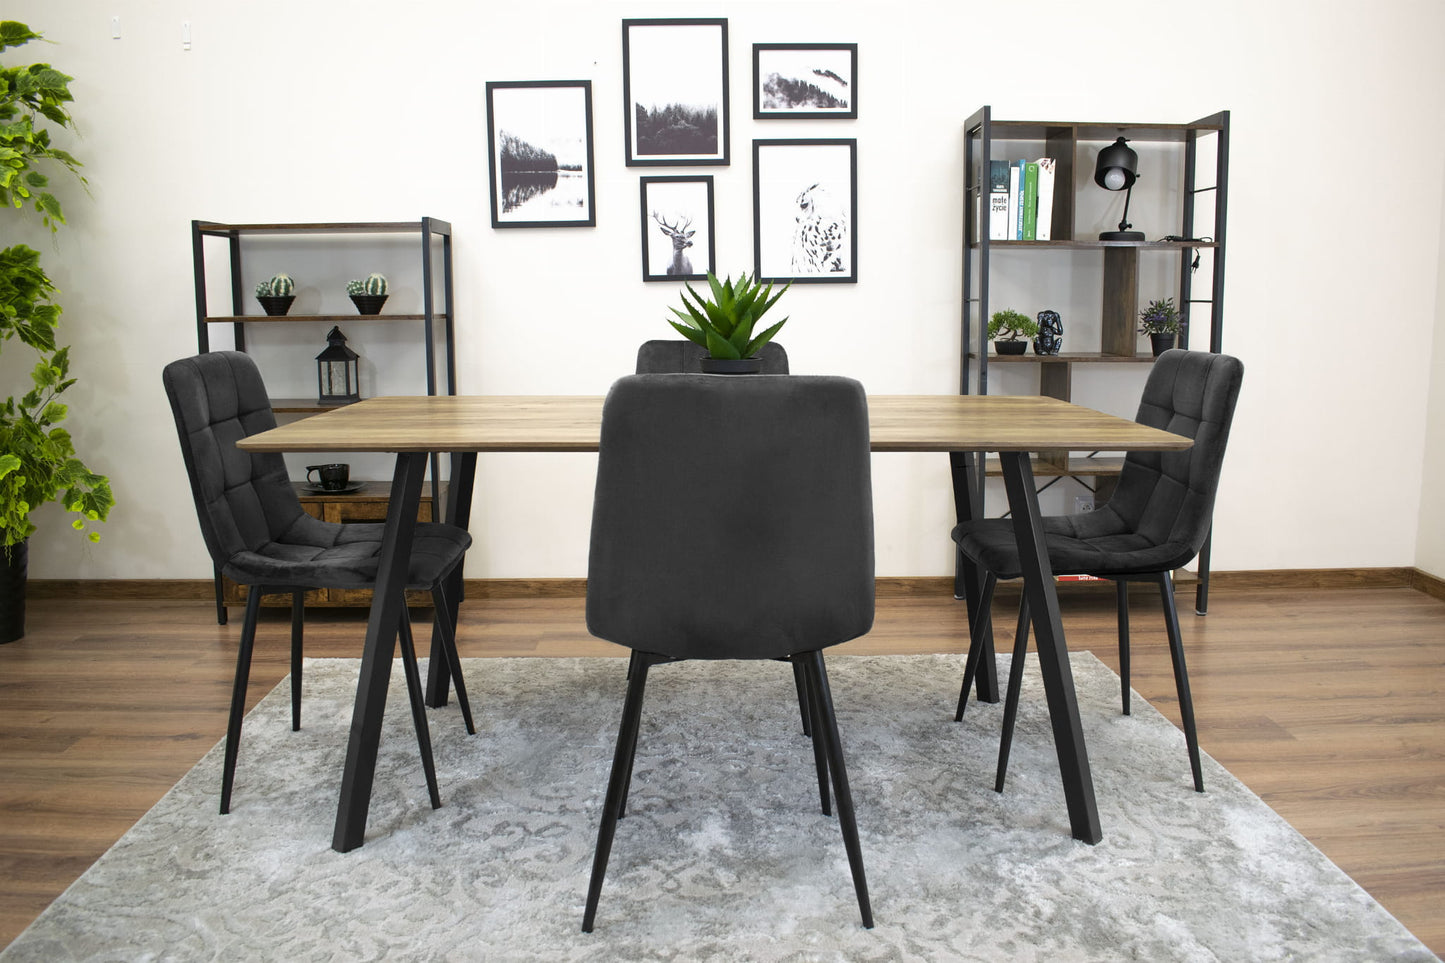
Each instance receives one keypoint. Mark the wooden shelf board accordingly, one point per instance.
(335, 227)
(1067, 357)
(1079, 466)
(1042, 129)
(1094, 244)
(324, 318)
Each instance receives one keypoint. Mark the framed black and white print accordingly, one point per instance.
(805, 210)
(805, 80)
(677, 228)
(539, 140)
(675, 92)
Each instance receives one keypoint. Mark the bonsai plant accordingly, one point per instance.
(1010, 331)
(38, 462)
(368, 295)
(724, 325)
(1160, 321)
(276, 294)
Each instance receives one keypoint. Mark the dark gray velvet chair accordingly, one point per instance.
(733, 519)
(259, 536)
(671, 357)
(1156, 521)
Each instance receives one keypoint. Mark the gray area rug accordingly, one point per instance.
(724, 854)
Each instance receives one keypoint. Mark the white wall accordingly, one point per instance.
(1430, 549)
(368, 110)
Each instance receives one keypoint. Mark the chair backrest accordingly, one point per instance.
(243, 500)
(1169, 496)
(733, 516)
(675, 357)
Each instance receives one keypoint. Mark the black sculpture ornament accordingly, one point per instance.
(1051, 333)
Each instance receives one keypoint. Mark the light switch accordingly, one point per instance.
(115, 28)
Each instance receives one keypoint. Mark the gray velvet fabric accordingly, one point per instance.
(669, 357)
(733, 516)
(251, 519)
(1159, 516)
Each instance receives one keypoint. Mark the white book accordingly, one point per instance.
(1015, 200)
(1043, 230)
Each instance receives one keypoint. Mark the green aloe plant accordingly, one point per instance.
(724, 325)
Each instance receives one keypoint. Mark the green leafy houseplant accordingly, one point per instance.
(1011, 325)
(724, 325)
(38, 462)
(1160, 317)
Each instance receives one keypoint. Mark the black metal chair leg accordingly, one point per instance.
(828, 729)
(978, 637)
(802, 687)
(1121, 589)
(298, 616)
(449, 648)
(238, 695)
(632, 664)
(820, 748)
(220, 595)
(617, 783)
(1015, 685)
(1181, 677)
(418, 705)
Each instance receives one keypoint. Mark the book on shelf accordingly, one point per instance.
(998, 222)
(1015, 199)
(1031, 201)
(1044, 215)
(1018, 186)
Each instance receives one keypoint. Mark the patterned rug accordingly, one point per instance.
(723, 854)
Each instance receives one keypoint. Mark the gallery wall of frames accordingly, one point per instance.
(804, 190)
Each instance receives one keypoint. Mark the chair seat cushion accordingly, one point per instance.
(1073, 548)
(321, 554)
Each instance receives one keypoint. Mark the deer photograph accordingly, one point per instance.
(677, 228)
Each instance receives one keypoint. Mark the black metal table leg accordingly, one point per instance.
(1043, 603)
(967, 581)
(458, 513)
(387, 600)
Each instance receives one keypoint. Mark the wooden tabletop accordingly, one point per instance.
(572, 423)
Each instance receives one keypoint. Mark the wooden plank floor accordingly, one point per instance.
(1329, 703)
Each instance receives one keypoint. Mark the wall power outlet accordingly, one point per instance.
(1083, 503)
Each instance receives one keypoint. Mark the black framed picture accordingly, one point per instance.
(677, 228)
(539, 144)
(675, 92)
(805, 204)
(805, 80)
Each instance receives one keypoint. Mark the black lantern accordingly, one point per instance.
(336, 374)
(1117, 169)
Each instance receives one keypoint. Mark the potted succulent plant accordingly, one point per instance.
(38, 462)
(1160, 321)
(1011, 331)
(276, 294)
(368, 294)
(724, 325)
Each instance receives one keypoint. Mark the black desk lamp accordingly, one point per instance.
(1117, 170)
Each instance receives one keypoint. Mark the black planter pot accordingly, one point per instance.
(1010, 347)
(732, 365)
(13, 565)
(276, 305)
(368, 303)
(1161, 343)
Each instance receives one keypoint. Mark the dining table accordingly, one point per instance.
(964, 427)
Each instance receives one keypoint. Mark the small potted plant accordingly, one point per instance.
(276, 294)
(724, 325)
(1160, 321)
(368, 295)
(1011, 331)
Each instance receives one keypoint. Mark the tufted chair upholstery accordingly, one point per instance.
(259, 536)
(1156, 521)
(669, 357)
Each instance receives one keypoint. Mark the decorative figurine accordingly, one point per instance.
(1051, 333)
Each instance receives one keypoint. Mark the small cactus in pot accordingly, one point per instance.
(276, 294)
(368, 294)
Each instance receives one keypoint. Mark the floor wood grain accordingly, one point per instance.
(1329, 703)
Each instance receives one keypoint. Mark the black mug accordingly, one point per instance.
(333, 477)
